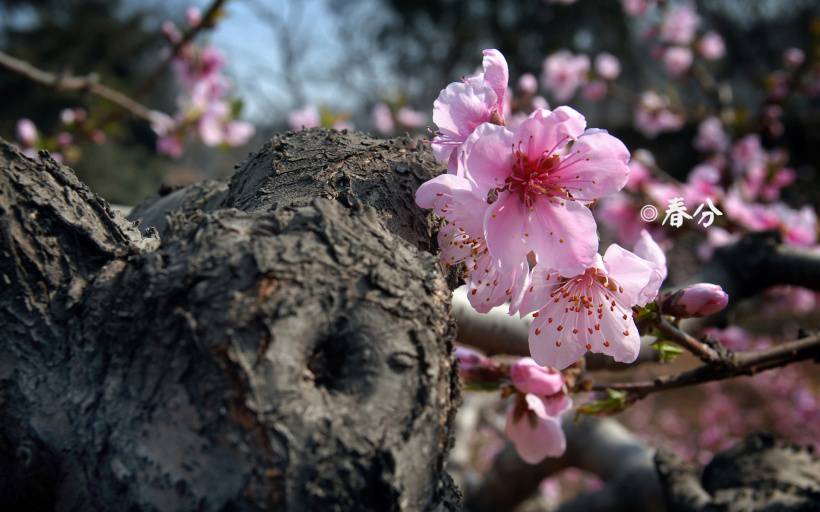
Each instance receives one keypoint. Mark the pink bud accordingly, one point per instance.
(607, 66)
(476, 367)
(194, 16)
(528, 84)
(794, 57)
(27, 132)
(695, 300)
(529, 377)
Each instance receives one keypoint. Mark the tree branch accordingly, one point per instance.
(89, 83)
(742, 363)
(704, 352)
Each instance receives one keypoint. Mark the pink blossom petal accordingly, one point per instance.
(496, 74)
(534, 437)
(489, 286)
(624, 348)
(540, 283)
(457, 111)
(594, 166)
(632, 273)
(566, 237)
(487, 157)
(505, 223)
(529, 377)
(455, 199)
(549, 131)
(549, 347)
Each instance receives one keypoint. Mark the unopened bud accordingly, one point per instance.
(529, 377)
(477, 370)
(699, 299)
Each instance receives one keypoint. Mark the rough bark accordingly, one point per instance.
(757, 474)
(280, 342)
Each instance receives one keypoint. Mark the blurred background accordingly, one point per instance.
(717, 99)
(343, 57)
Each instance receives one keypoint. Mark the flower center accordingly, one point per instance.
(530, 179)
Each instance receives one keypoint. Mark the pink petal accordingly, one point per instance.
(489, 286)
(529, 377)
(496, 74)
(486, 157)
(624, 348)
(535, 439)
(631, 272)
(455, 199)
(505, 223)
(457, 111)
(540, 282)
(594, 166)
(563, 235)
(455, 245)
(549, 131)
(556, 404)
(549, 347)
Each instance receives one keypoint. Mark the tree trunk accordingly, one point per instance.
(282, 341)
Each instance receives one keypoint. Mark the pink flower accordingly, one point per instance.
(67, 116)
(679, 24)
(653, 115)
(564, 73)
(383, 118)
(677, 60)
(591, 311)
(194, 16)
(238, 133)
(170, 145)
(798, 227)
(476, 368)
(607, 66)
(64, 139)
(794, 57)
(528, 84)
(463, 106)
(747, 151)
(640, 171)
(595, 90)
(529, 377)
(711, 136)
(637, 7)
(701, 299)
(411, 118)
(27, 132)
(711, 46)
(534, 426)
(541, 180)
(619, 214)
(306, 117)
(169, 30)
(540, 102)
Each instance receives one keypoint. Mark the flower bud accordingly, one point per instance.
(478, 370)
(27, 132)
(529, 377)
(699, 299)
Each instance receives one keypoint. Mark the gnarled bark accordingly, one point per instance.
(280, 342)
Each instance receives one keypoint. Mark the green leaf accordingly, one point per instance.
(668, 351)
(647, 312)
(615, 401)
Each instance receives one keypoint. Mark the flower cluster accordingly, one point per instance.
(204, 107)
(75, 127)
(515, 205)
(309, 116)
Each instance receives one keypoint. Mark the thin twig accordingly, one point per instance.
(741, 363)
(704, 352)
(62, 82)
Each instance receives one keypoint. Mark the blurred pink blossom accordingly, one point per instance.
(607, 66)
(411, 118)
(383, 118)
(711, 46)
(27, 132)
(711, 136)
(653, 115)
(677, 60)
(528, 84)
(305, 117)
(564, 73)
(794, 57)
(679, 24)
